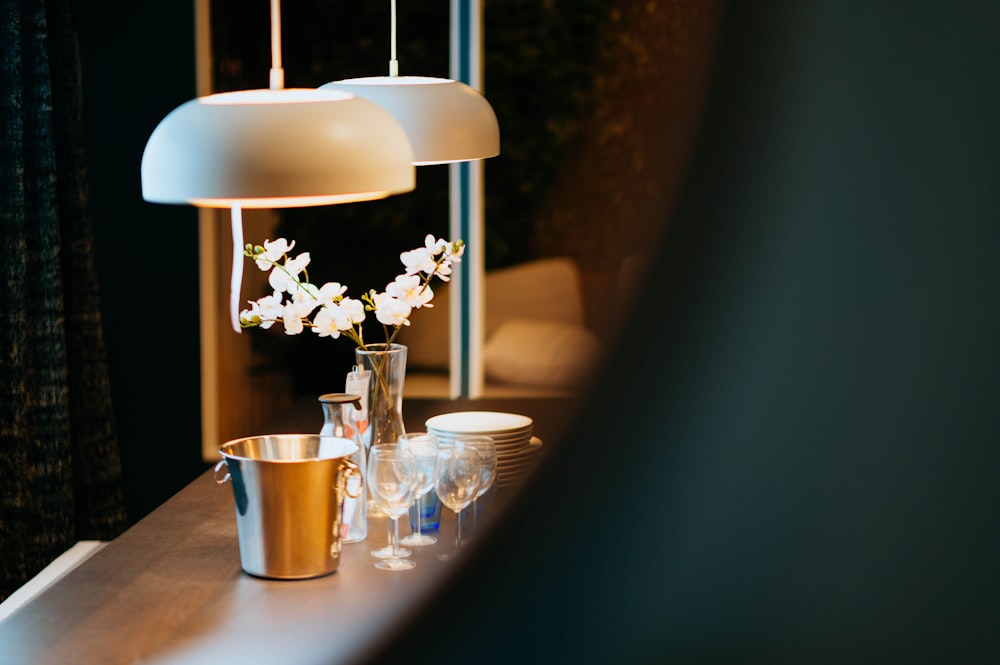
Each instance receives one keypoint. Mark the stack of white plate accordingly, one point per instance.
(517, 449)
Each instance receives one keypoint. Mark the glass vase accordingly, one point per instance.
(386, 367)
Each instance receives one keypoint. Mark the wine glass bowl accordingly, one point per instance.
(457, 476)
(392, 480)
(424, 448)
(488, 461)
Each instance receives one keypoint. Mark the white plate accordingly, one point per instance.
(479, 422)
(520, 439)
(499, 439)
(524, 455)
(523, 442)
(524, 449)
(515, 456)
(513, 465)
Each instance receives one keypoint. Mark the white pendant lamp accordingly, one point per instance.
(446, 120)
(275, 148)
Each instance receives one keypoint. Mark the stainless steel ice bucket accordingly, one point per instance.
(288, 490)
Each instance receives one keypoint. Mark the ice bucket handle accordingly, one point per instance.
(353, 490)
(225, 479)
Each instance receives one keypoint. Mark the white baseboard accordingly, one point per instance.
(64, 563)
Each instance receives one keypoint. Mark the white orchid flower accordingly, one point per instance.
(325, 323)
(270, 309)
(444, 271)
(304, 301)
(391, 311)
(353, 309)
(454, 251)
(285, 277)
(333, 314)
(291, 320)
(411, 290)
(250, 317)
(335, 318)
(273, 251)
(418, 260)
(329, 292)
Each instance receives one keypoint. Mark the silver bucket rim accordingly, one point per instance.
(347, 449)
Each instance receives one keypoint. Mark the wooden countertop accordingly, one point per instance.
(171, 589)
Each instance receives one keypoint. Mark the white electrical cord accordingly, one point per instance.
(277, 82)
(236, 279)
(393, 62)
(277, 77)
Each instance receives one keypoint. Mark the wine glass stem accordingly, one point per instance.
(475, 519)
(458, 530)
(420, 516)
(394, 537)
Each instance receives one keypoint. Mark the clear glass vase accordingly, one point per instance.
(386, 365)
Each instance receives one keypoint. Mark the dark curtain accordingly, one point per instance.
(60, 471)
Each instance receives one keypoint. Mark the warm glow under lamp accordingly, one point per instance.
(276, 148)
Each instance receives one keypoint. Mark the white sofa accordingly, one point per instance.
(536, 338)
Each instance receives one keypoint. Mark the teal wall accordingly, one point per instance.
(138, 64)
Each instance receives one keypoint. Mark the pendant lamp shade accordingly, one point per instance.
(276, 148)
(445, 120)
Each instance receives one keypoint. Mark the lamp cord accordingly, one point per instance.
(236, 279)
(393, 62)
(277, 82)
(277, 77)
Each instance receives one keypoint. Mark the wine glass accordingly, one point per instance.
(487, 450)
(387, 551)
(392, 480)
(424, 448)
(456, 481)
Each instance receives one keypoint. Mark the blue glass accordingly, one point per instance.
(430, 506)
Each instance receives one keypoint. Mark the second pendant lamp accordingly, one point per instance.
(445, 120)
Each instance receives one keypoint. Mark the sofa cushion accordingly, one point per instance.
(540, 353)
(544, 290)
